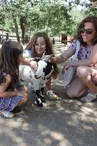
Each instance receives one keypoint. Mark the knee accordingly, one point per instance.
(24, 100)
(72, 94)
(69, 94)
(82, 72)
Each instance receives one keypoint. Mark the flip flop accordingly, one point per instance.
(6, 114)
(89, 97)
(16, 110)
(52, 95)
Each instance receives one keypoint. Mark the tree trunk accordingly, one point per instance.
(23, 24)
(16, 28)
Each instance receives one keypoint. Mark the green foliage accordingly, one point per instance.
(53, 16)
(91, 11)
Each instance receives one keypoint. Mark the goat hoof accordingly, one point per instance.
(39, 103)
(43, 100)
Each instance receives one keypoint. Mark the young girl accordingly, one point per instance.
(39, 44)
(11, 92)
(87, 58)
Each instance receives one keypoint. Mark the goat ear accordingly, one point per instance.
(43, 55)
(47, 57)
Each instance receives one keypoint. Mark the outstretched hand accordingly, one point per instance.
(65, 68)
(34, 64)
(22, 93)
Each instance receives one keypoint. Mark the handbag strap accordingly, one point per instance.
(77, 50)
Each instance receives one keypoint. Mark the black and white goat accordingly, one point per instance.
(37, 77)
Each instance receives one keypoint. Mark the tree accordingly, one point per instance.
(28, 16)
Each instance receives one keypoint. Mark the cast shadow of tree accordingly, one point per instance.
(61, 122)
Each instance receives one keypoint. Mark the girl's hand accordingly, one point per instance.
(22, 93)
(33, 64)
(8, 78)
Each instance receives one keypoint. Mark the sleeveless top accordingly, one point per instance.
(84, 52)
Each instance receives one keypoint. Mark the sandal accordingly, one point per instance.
(51, 95)
(17, 109)
(89, 97)
(6, 114)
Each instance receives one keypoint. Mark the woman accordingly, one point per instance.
(87, 58)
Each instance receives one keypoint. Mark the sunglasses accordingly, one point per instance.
(88, 31)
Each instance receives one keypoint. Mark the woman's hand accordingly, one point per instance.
(58, 59)
(68, 65)
(94, 76)
(71, 64)
(63, 70)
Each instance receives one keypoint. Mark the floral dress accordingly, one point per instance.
(9, 103)
(84, 52)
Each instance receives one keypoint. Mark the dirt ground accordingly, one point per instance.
(61, 122)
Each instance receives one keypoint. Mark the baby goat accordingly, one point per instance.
(37, 77)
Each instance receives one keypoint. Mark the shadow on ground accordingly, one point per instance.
(63, 122)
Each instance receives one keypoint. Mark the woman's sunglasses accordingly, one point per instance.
(88, 31)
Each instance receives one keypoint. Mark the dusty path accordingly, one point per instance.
(63, 122)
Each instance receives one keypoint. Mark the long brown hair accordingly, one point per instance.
(31, 44)
(91, 19)
(10, 52)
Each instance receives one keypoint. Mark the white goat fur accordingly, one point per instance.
(27, 74)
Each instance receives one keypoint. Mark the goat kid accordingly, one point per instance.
(37, 77)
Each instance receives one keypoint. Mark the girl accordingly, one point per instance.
(39, 44)
(11, 93)
(87, 58)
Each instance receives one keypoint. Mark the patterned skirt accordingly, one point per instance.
(9, 103)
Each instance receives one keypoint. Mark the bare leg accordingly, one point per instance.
(50, 92)
(76, 88)
(48, 84)
(24, 99)
(54, 76)
(6, 114)
(85, 75)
